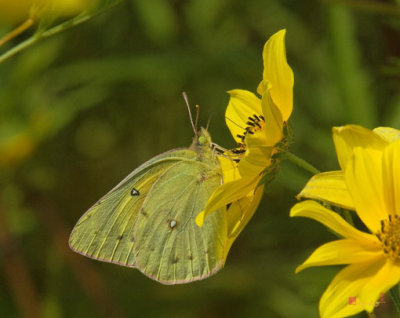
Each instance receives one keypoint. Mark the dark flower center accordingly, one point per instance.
(255, 123)
(389, 235)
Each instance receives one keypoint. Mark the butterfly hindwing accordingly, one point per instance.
(170, 247)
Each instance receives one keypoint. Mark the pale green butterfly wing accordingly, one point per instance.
(147, 220)
(169, 246)
(106, 231)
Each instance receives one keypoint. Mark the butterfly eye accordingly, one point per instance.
(202, 140)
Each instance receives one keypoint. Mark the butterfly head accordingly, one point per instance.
(203, 137)
(202, 142)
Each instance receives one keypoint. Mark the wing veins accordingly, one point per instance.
(169, 237)
(116, 218)
(137, 249)
(191, 254)
(129, 253)
(110, 215)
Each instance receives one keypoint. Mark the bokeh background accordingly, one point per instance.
(81, 109)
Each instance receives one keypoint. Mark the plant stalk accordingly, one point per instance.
(301, 163)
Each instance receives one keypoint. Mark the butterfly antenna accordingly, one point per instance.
(208, 123)
(197, 116)
(190, 112)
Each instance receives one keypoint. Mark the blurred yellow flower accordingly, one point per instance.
(58, 7)
(12, 12)
(15, 149)
(257, 126)
(369, 184)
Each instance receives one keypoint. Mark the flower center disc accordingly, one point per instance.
(255, 123)
(389, 235)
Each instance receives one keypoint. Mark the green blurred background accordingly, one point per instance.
(80, 110)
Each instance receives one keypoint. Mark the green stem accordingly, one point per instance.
(54, 30)
(301, 163)
(394, 293)
(20, 29)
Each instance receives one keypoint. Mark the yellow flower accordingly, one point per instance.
(41, 8)
(369, 184)
(17, 11)
(16, 149)
(257, 126)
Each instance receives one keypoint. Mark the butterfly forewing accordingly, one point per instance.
(106, 231)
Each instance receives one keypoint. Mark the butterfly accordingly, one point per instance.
(147, 221)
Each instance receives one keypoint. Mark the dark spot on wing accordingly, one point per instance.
(190, 257)
(132, 239)
(119, 238)
(143, 212)
(175, 260)
(228, 205)
(135, 192)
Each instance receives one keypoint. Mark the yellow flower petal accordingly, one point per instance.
(14, 11)
(273, 121)
(260, 144)
(257, 140)
(387, 133)
(278, 76)
(346, 251)
(348, 137)
(364, 181)
(17, 11)
(332, 220)
(41, 8)
(240, 213)
(387, 276)
(227, 193)
(229, 169)
(349, 282)
(329, 187)
(391, 177)
(242, 104)
(254, 161)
